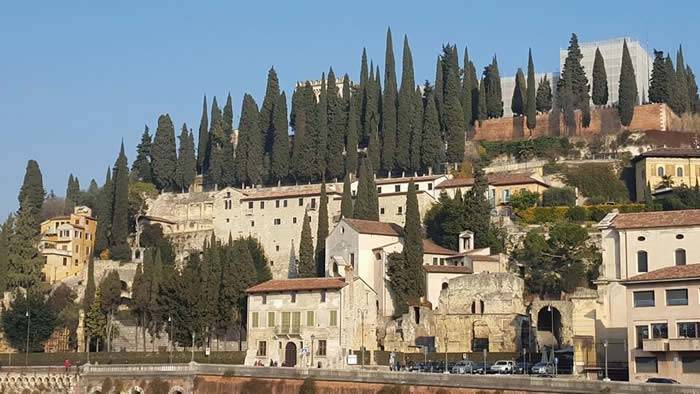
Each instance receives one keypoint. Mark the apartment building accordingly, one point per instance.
(501, 186)
(664, 168)
(67, 244)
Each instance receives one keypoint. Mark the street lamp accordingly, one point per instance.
(312, 349)
(170, 323)
(26, 353)
(362, 341)
(605, 346)
(193, 334)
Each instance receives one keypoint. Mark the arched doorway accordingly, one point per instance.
(549, 327)
(290, 355)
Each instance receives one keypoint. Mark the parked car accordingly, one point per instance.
(418, 367)
(543, 369)
(462, 367)
(503, 366)
(436, 367)
(662, 380)
(481, 368)
(520, 368)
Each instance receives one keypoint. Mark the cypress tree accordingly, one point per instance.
(389, 109)
(483, 109)
(305, 266)
(492, 90)
(303, 151)
(321, 127)
(573, 84)
(370, 107)
(322, 232)
(693, 99)
(439, 90)
(104, 214)
(351, 155)
(203, 140)
(413, 245)
(141, 167)
(544, 95)
(373, 147)
(164, 155)
(279, 158)
(267, 122)
(228, 165)
(454, 116)
(89, 295)
(217, 141)
(228, 116)
(6, 232)
(431, 145)
(517, 104)
(367, 203)
(679, 91)
(530, 104)
(336, 126)
(186, 162)
(406, 109)
(659, 84)
(417, 130)
(250, 150)
(25, 262)
(599, 90)
(72, 194)
(361, 102)
(467, 88)
(628, 88)
(478, 213)
(118, 247)
(31, 194)
(346, 209)
(474, 82)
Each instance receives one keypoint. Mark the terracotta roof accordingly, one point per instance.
(690, 217)
(431, 247)
(374, 227)
(669, 152)
(447, 269)
(495, 179)
(286, 192)
(301, 284)
(676, 272)
(423, 178)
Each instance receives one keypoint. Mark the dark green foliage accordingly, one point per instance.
(577, 214)
(249, 152)
(367, 202)
(361, 98)
(678, 100)
(467, 91)
(455, 126)
(517, 104)
(524, 199)
(660, 82)
(431, 144)
(72, 194)
(322, 232)
(25, 262)
(110, 299)
(542, 147)
(152, 237)
(228, 116)
(439, 90)
(31, 194)
(573, 86)
(373, 146)
(186, 161)
(306, 268)
(336, 115)
(693, 98)
(445, 220)
(6, 231)
(400, 286)
(118, 246)
(104, 214)
(41, 322)
(262, 266)
(682, 197)
(346, 209)
(139, 299)
(492, 90)
(237, 275)
(559, 196)
(597, 181)
(279, 157)
(544, 95)
(267, 109)
(203, 140)
(303, 153)
(308, 387)
(217, 140)
(560, 263)
(627, 97)
(599, 90)
(417, 131)
(351, 154)
(478, 215)
(406, 109)
(389, 110)
(141, 167)
(89, 295)
(164, 155)
(530, 100)
(321, 128)
(482, 112)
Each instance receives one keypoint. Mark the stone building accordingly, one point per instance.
(654, 167)
(500, 186)
(67, 243)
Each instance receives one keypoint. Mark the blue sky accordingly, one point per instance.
(77, 77)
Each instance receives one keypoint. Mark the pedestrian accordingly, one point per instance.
(66, 364)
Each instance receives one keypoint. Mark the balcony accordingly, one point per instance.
(684, 344)
(287, 331)
(655, 345)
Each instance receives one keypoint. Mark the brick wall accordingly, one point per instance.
(646, 117)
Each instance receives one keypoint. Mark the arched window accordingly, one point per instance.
(642, 261)
(679, 171)
(444, 285)
(481, 306)
(473, 306)
(660, 171)
(680, 256)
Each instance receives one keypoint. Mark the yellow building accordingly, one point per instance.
(67, 243)
(501, 186)
(658, 167)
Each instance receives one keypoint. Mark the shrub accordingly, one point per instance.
(539, 215)
(597, 181)
(559, 196)
(524, 200)
(577, 214)
(308, 387)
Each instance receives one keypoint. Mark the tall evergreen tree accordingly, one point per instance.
(322, 232)
(544, 95)
(517, 104)
(693, 99)
(228, 116)
(72, 194)
(89, 295)
(336, 126)
(361, 102)
(478, 214)
(164, 155)
(467, 89)
(679, 91)
(627, 97)
(413, 246)
(118, 247)
(279, 158)
(321, 128)
(203, 140)
(417, 130)
(530, 101)
(660, 82)
(217, 142)
(303, 154)
(141, 167)
(371, 115)
(31, 194)
(455, 125)
(367, 202)
(250, 150)
(267, 122)
(599, 90)
(373, 147)
(186, 161)
(306, 268)
(352, 143)
(25, 262)
(474, 82)
(573, 84)
(103, 212)
(6, 231)
(346, 209)
(439, 90)
(406, 109)
(483, 108)
(389, 110)
(431, 145)
(492, 90)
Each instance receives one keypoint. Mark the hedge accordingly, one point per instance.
(595, 213)
(179, 357)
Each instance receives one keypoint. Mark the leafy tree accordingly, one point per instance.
(67, 312)
(431, 144)
(139, 193)
(628, 88)
(559, 196)
(25, 262)
(367, 202)
(186, 161)
(524, 199)
(598, 182)
(600, 79)
(346, 209)
(406, 108)
(544, 95)
(660, 82)
(31, 194)
(517, 104)
(249, 152)
(29, 317)
(118, 246)
(262, 265)
(279, 157)
(139, 299)
(445, 220)
(351, 155)
(322, 232)
(308, 387)
(389, 110)
(455, 125)
(110, 299)
(141, 167)
(89, 294)
(478, 215)
(95, 320)
(678, 101)
(306, 268)
(492, 90)
(203, 140)
(530, 101)
(103, 212)
(164, 154)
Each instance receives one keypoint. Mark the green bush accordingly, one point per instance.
(524, 200)
(596, 181)
(559, 196)
(308, 387)
(596, 213)
(577, 214)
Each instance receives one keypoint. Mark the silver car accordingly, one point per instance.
(462, 367)
(503, 366)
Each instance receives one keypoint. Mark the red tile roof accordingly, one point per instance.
(431, 247)
(496, 179)
(676, 272)
(300, 284)
(447, 269)
(684, 218)
(669, 152)
(374, 227)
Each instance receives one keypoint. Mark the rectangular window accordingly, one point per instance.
(294, 220)
(506, 195)
(321, 347)
(677, 297)
(277, 203)
(691, 364)
(659, 330)
(642, 334)
(313, 203)
(296, 321)
(381, 211)
(254, 319)
(264, 299)
(643, 299)
(278, 222)
(301, 202)
(262, 349)
(688, 330)
(310, 318)
(430, 186)
(323, 296)
(352, 260)
(379, 190)
(65, 261)
(285, 203)
(270, 319)
(333, 319)
(262, 204)
(397, 188)
(442, 261)
(294, 297)
(285, 322)
(252, 223)
(646, 365)
(642, 261)
(435, 260)
(250, 205)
